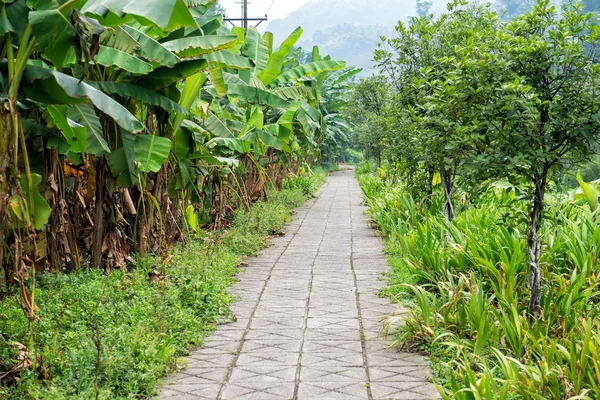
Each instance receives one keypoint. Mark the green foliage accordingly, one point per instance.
(469, 297)
(143, 319)
(352, 156)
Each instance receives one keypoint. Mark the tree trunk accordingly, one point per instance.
(534, 245)
(448, 186)
(431, 171)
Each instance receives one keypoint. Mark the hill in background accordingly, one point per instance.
(347, 29)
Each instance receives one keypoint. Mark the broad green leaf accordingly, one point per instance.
(316, 55)
(199, 45)
(276, 60)
(151, 152)
(213, 160)
(84, 115)
(192, 87)
(216, 77)
(298, 93)
(305, 70)
(256, 96)
(41, 210)
(5, 25)
(122, 160)
(119, 39)
(226, 59)
(17, 14)
(268, 36)
(74, 133)
(110, 57)
(590, 193)
(192, 217)
(256, 117)
(288, 116)
(162, 77)
(53, 87)
(42, 4)
(54, 34)
(342, 75)
(239, 145)
(241, 34)
(232, 79)
(255, 49)
(166, 14)
(215, 126)
(270, 140)
(139, 93)
(209, 25)
(151, 50)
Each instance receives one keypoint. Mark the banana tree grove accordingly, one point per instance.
(127, 125)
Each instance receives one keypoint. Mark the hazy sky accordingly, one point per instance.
(258, 8)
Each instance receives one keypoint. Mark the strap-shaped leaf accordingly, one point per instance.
(84, 115)
(74, 133)
(151, 50)
(239, 145)
(110, 57)
(276, 60)
(256, 96)
(216, 77)
(241, 34)
(53, 87)
(122, 160)
(54, 34)
(162, 77)
(342, 75)
(166, 14)
(139, 93)
(118, 38)
(269, 139)
(199, 45)
(298, 93)
(215, 126)
(226, 59)
(255, 49)
(309, 69)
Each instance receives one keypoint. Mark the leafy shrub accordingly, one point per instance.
(353, 157)
(468, 293)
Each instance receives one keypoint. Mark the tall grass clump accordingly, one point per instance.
(466, 285)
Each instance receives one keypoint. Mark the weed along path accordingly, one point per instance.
(308, 322)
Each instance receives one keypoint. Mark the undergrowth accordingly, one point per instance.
(465, 284)
(113, 336)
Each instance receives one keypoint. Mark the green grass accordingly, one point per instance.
(139, 322)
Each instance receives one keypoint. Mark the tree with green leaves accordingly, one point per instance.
(541, 108)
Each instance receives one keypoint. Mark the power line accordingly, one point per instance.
(271, 6)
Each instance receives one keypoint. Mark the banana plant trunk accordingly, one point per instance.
(98, 232)
(6, 139)
(534, 245)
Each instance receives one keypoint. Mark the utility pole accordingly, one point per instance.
(245, 20)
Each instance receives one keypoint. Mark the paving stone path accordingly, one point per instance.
(308, 322)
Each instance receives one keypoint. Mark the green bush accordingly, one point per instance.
(353, 157)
